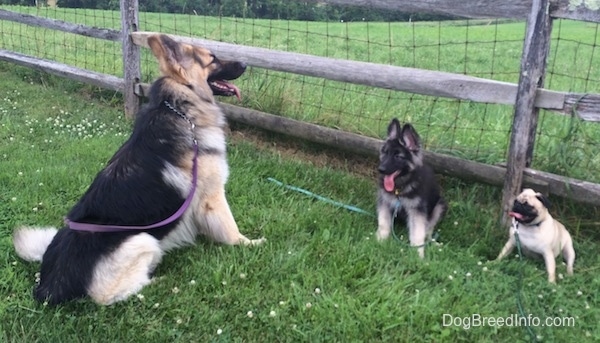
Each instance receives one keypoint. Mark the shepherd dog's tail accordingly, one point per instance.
(31, 242)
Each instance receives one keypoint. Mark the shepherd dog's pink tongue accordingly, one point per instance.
(389, 182)
(236, 91)
(515, 215)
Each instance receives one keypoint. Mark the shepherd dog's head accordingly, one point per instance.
(195, 67)
(400, 155)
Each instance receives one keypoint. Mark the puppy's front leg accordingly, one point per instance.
(384, 223)
(508, 247)
(550, 265)
(417, 228)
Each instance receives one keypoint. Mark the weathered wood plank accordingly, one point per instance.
(533, 68)
(63, 70)
(409, 80)
(88, 31)
(576, 9)
(132, 71)
(585, 106)
(517, 9)
(433, 83)
(514, 9)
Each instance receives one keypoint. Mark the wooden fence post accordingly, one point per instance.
(131, 56)
(533, 68)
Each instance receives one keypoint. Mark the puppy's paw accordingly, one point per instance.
(382, 235)
(254, 242)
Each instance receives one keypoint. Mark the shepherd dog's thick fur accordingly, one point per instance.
(407, 186)
(146, 181)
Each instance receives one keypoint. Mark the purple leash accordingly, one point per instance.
(114, 228)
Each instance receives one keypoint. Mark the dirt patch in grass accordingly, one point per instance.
(315, 154)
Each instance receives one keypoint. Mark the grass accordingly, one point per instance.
(488, 49)
(320, 276)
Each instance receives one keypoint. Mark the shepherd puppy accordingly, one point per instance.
(539, 233)
(407, 187)
(161, 189)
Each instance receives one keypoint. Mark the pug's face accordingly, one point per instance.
(530, 207)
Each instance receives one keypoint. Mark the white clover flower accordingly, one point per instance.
(192, 282)
(479, 263)
(450, 277)
(485, 269)
(156, 305)
(308, 305)
(250, 314)
(317, 290)
(468, 274)
(140, 296)
(219, 331)
(579, 293)
(175, 290)
(272, 314)
(281, 303)
(242, 275)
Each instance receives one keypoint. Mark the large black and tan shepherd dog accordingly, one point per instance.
(161, 189)
(407, 187)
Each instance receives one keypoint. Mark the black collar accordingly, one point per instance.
(534, 225)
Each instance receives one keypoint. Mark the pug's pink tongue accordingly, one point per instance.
(389, 181)
(515, 215)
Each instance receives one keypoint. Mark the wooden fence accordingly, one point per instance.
(528, 96)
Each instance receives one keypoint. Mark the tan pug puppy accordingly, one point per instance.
(539, 233)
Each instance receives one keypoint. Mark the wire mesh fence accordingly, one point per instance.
(488, 49)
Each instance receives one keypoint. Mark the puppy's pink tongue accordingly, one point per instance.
(515, 215)
(389, 182)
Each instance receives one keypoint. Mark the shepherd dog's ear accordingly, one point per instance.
(394, 129)
(170, 56)
(410, 138)
(544, 200)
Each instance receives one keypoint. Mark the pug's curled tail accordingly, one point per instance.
(31, 242)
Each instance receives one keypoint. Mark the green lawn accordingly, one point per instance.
(321, 276)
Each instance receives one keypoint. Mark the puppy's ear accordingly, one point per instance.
(394, 129)
(544, 200)
(410, 138)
